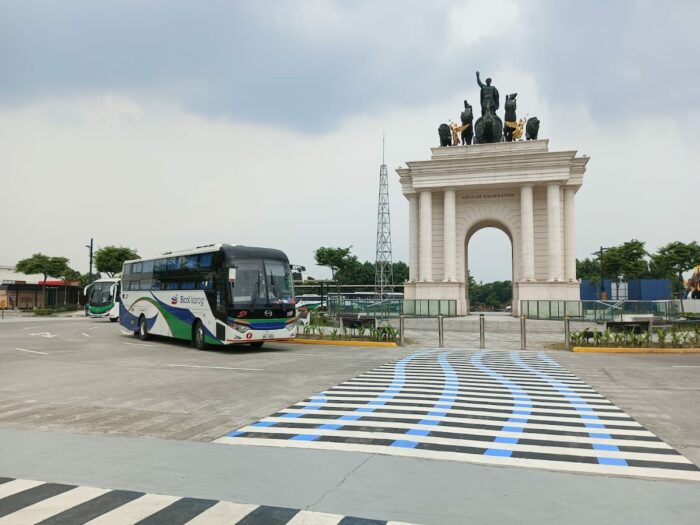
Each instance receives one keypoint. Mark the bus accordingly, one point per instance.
(216, 294)
(103, 299)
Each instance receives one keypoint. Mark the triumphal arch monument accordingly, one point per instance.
(518, 186)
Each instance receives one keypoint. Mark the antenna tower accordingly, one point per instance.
(384, 275)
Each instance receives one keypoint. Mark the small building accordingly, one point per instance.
(631, 290)
(23, 291)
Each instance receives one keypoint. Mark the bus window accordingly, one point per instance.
(279, 281)
(205, 260)
(249, 286)
(147, 267)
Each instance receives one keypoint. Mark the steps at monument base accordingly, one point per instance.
(493, 324)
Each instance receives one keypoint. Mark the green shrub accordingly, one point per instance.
(43, 311)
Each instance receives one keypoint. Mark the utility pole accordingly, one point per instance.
(89, 246)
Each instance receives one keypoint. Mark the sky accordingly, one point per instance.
(163, 125)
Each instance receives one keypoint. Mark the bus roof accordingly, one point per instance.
(230, 251)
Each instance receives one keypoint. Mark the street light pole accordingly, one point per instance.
(89, 246)
(599, 253)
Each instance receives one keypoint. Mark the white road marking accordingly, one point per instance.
(225, 512)
(48, 335)
(137, 344)
(51, 506)
(93, 328)
(135, 510)
(31, 351)
(685, 366)
(220, 367)
(29, 328)
(86, 335)
(17, 485)
(126, 333)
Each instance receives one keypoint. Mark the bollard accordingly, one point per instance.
(441, 334)
(401, 330)
(523, 337)
(567, 333)
(482, 339)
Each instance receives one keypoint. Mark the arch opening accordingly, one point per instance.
(489, 267)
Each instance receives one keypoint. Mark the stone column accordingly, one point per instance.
(569, 234)
(426, 237)
(554, 231)
(413, 238)
(450, 236)
(527, 234)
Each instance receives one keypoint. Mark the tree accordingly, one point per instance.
(335, 258)
(673, 259)
(110, 259)
(45, 265)
(400, 271)
(588, 269)
(628, 259)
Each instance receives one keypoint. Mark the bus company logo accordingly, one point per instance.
(268, 313)
(173, 300)
(249, 335)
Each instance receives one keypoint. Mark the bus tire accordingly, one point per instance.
(143, 329)
(198, 336)
(257, 344)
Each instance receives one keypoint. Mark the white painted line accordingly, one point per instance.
(220, 367)
(17, 485)
(50, 507)
(29, 328)
(126, 333)
(135, 510)
(93, 328)
(31, 351)
(48, 335)
(86, 335)
(685, 366)
(226, 512)
(137, 344)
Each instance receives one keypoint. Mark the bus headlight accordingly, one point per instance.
(291, 326)
(240, 328)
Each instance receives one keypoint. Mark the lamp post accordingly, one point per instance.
(89, 246)
(599, 253)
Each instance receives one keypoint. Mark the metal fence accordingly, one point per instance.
(600, 311)
(393, 307)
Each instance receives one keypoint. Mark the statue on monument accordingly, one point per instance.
(489, 127)
(467, 118)
(532, 128)
(445, 134)
(510, 121)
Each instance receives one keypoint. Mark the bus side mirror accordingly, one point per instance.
(231, 275)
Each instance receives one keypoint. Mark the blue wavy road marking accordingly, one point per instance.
(522, 406)
(439, 410)
(394, 388)
(583, 409)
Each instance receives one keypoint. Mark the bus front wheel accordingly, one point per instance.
(198, 336)
(143, 329)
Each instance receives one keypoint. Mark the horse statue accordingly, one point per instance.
(510, 123)
(532, 128)
(488, 128)
(445, 133)
(467, 118)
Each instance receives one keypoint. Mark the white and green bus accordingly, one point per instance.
(103, 299)
(217, 294)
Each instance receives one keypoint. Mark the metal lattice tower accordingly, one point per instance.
(384, 275)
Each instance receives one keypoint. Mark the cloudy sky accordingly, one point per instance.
(162, 125)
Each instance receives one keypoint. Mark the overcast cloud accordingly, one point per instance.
(161, 125)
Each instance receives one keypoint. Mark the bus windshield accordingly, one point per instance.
(259, 283)
(100, 293)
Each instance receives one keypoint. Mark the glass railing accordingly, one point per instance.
(394, 307)
(600, 311)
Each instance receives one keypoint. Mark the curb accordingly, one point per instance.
(614, 350)
(343, 343)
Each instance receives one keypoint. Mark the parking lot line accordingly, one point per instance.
(220, 367)
(31, 351)
(86, 335)
(137, 344)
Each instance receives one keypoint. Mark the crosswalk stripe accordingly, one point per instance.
(17, 485)
(135, 510)
(223, 513)
(315, 518)
(51, 506)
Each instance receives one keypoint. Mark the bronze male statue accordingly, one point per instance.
(489, 95)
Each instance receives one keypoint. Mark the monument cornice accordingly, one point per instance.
(497, 164)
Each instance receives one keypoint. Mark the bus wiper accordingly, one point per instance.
(254, 295)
